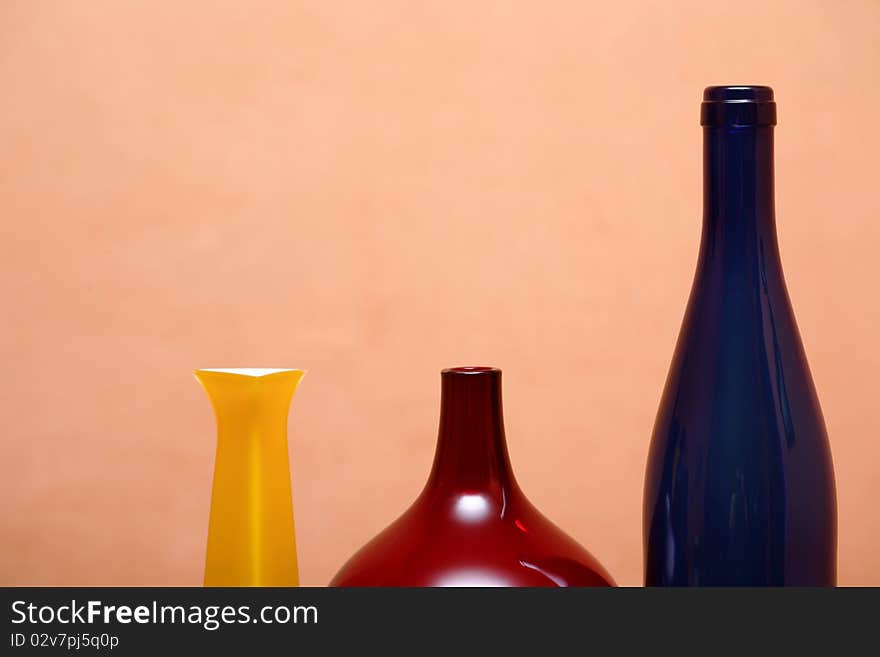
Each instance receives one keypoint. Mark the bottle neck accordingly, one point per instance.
(471, 451)
(739, 221)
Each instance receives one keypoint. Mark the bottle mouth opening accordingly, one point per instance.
(738, 105)
(470, 370)
(738, 93)
(254, 372)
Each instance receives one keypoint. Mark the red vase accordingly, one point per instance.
(472, 525)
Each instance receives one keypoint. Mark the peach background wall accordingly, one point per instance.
(376, 190)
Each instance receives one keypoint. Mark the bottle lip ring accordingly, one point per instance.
(738, 105)
(470, 370)
(738, 93)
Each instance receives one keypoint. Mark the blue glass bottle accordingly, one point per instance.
(739, 488)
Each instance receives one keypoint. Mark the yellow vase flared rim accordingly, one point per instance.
(252, 372)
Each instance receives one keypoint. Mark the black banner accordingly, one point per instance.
(131, 621)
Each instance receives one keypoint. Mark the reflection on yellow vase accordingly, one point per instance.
(250, 533)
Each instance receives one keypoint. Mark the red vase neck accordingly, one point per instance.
(471, 447)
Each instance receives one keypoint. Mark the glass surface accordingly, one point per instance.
(250, 533)
(472, 525)
(739, 487)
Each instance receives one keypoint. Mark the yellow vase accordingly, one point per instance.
(251, 540)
